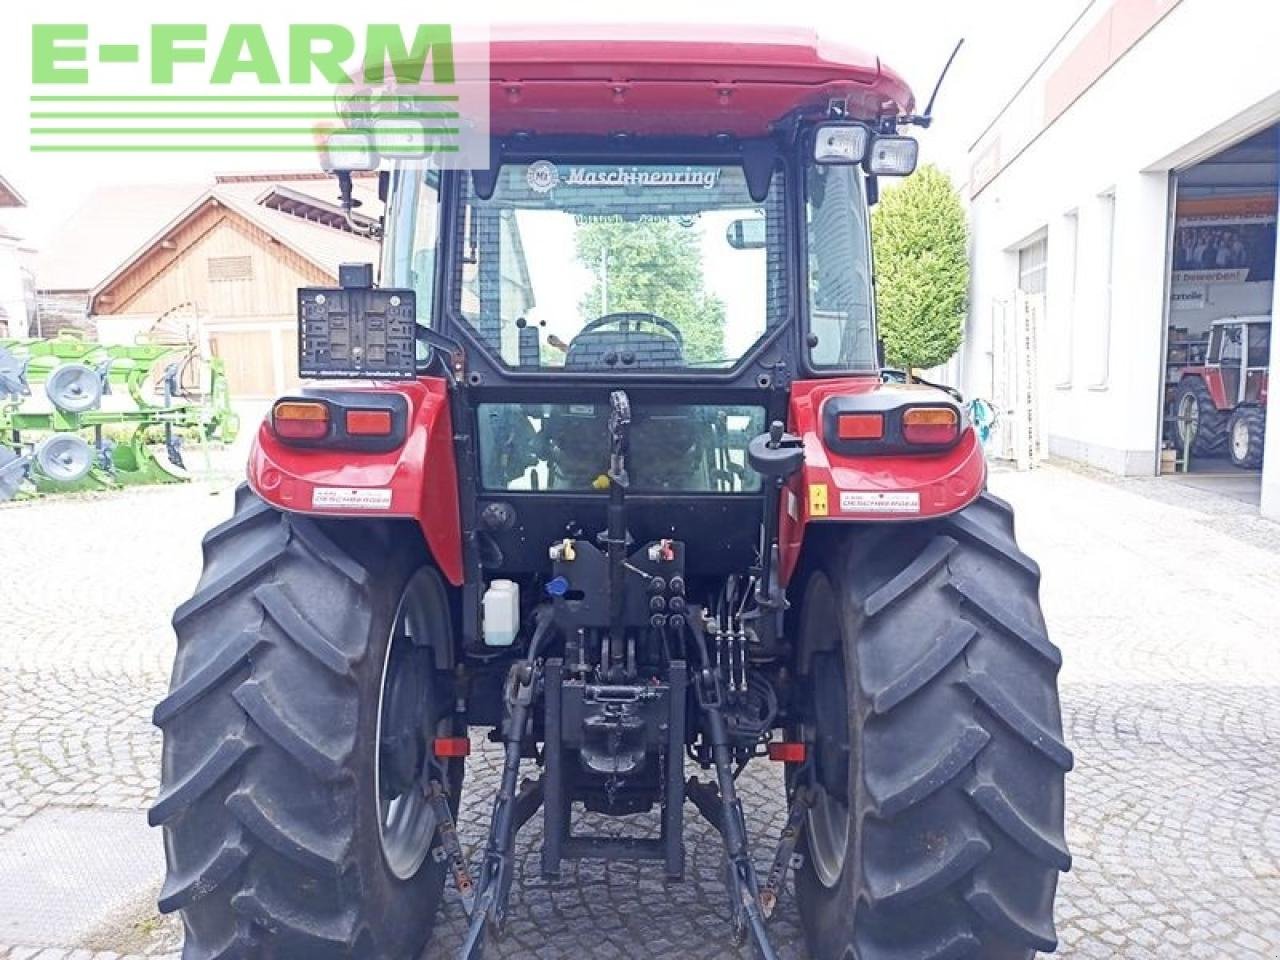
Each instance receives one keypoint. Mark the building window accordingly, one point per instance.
(1033, 267)
(1064, 308)
(231, 268)
(1100, 348)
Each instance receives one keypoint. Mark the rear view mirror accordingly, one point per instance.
(746, 234)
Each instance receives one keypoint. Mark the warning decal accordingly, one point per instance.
(818, 500)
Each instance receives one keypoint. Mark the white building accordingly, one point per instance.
(1123, 200)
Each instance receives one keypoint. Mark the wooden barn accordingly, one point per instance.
(223, 268)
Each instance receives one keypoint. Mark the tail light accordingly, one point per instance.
(892, 421)
(369, 423)
(372, 421)
(860, 426)
(300, 419)
(930, 425)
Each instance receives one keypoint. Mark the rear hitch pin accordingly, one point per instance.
(450, 849)
(784, 857)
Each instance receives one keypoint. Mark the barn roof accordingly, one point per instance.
(116, 226)
(9, 196)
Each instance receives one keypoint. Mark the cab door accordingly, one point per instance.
(1258, 359)
(1233, 355)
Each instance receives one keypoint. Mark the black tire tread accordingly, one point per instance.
(894, 794)
(1255, 421)
(307, 747)
(180, 890)
(318, 854)
(949, 646)
(1211, 428)
(961, 752)
(258, 868)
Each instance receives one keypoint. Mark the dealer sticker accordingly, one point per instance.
(351, 498)
(858, 501)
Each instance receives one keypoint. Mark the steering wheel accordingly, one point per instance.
(625, 319)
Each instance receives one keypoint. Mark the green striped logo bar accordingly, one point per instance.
(405, 91)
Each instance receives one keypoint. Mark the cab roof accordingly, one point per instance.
(679, 80)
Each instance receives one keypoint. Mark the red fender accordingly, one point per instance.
(896, 487)
(1212, 378)
(419, 480)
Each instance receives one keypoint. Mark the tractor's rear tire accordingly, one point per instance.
(1197, 415)
(283, 748)
(1245, 433)
(939, 757)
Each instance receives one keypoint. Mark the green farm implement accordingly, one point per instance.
(81, 415)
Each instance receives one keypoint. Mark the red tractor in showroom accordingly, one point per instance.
(614, 476)
(1223, 404)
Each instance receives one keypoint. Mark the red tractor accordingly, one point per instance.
(617, 479)
(1224, 403)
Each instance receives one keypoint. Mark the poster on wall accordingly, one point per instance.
(1225, 240)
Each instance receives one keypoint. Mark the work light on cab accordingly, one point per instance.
(401, 138)
(893, 156)
(840, 143)
(345, 151)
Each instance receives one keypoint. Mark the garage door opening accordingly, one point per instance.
(1221, 277)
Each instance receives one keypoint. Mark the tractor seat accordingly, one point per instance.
(643, 348)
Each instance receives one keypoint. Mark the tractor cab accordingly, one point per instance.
(603, 461)
(1240, 350)
(1221, 406)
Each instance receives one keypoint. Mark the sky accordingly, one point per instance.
(1004, 40)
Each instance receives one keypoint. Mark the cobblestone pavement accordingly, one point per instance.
(1165, 600)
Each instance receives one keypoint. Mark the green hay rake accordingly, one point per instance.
(81, 415)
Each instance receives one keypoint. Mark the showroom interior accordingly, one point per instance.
(1221, 274)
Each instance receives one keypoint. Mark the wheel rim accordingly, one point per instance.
(1188, 418)
(1240, 439)
(827, 820)
(828, 823)
(406, 822)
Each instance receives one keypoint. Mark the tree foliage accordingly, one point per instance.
(922, 270)
(654, 266)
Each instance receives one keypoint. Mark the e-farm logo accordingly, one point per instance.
(196, 88)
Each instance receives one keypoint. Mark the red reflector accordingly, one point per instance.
(451, 748)
(300, 420)
(369, 423)
(930, 425)
(787, 751)
(860, 426)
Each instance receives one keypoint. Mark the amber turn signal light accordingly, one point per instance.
(860, 426)
(300, 419)
(930, 425)
(369, 423)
